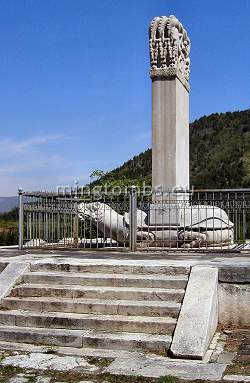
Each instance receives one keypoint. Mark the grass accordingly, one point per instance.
(99, 362)
(128, 379)
(4, 224)
(7, 372)
(167, 379)
(239, 368)
(49, 350)
(8, 233)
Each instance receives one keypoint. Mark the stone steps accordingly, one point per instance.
(98, 292)
(128, 341)
(93, 306)
(115, 280)
(107, 305)
(45, 336)
(111, 267)
(86, 339)
(67, 350)
(120, 323)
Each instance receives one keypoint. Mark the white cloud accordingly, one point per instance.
(52, 163)
(34, 164)
(37, 182)
(12, 147)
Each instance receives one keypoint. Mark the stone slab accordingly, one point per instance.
(49, 362)
(71, 351)
(19, 379)
(98, 292)
(135, 324)
(174, 258)
(158, 367)
(116, 266)
(41, 336)
(28, 378)
(116, 280)
(237, 378)
(11, 275)
(198, 318)
(43, 379)
(86, 381)
(94, 306)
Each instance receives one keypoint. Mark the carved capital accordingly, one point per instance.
(169, 49)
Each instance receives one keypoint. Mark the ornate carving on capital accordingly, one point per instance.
(169, 49)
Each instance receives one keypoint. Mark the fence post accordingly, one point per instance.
(132, 218)
(75, 223)
(20, 222)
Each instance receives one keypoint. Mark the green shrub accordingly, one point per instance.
(9, 238)
(167, 379)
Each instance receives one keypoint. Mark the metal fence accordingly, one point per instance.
(201, 220)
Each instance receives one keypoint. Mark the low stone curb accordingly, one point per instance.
(11, 275)
(198, 318)
(237, 378)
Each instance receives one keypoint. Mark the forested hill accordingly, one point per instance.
(219, 153)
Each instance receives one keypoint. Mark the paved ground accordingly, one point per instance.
(121, 254)
(229, 362)
(189, 258)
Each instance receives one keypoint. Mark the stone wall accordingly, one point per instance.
(234, 296)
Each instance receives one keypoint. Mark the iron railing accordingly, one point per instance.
(201, 220)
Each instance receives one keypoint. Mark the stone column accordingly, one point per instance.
(169, 57)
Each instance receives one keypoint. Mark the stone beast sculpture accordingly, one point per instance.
(200, 226)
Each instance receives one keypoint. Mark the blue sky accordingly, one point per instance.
(75, 91)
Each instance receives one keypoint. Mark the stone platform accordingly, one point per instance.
(119, 306)
(104, 301)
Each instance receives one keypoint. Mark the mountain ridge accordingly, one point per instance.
(8, 203)
(219, 153)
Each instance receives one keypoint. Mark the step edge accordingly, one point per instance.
(72, 275)
(110, 317)
(108, 302)
(108, 288)
(85, 333)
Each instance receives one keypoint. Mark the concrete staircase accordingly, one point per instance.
(97, 305)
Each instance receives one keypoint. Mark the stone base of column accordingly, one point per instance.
(164, 214)
(168, 209)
